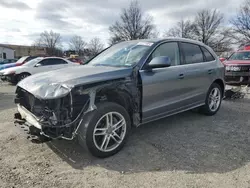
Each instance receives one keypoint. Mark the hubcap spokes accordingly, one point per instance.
(214, 99)
(23, 76)
(109, 131)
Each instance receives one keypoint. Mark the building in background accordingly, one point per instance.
(21, 50)
(6, 52)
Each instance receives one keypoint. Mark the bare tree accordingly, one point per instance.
(207, 23)
(222, 41)
(133, 24)
(241, 24)
(77, 43)
(49, 40)
(183, 29)
(95, 46)
(208, 29)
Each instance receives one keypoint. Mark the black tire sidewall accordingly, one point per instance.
(103, 108)
(206, 108)
(19, 78)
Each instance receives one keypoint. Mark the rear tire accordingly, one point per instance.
(213, 100)
(93, 132)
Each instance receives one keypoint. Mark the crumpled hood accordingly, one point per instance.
(58, 83)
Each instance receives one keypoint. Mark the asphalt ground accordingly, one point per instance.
(185, 150)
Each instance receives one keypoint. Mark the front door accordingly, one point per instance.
(163, 88)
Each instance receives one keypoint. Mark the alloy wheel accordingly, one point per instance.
(214, 99)
(109, 131)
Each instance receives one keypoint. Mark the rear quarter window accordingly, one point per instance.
(207, 54)
(56, 61)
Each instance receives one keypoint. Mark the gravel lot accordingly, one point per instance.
(186, 150)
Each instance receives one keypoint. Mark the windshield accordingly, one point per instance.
(21, 60)
(124, 54)
(33, 61)
(240, 56)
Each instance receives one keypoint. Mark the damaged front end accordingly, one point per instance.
(55, 118)
(62, 110)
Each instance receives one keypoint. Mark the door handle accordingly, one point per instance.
(181, 76)
(210, 71)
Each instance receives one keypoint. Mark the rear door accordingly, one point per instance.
(51, 64)
(42, 66)
(196, 73)
(57, 63)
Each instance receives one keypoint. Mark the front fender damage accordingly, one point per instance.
(61, 117)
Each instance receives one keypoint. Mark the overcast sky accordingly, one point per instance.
(21, 21)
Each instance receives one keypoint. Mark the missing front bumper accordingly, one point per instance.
(28, 117)
(33, 133)
(30, 124)
(65, 131)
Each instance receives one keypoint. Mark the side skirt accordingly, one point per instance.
(171, 113)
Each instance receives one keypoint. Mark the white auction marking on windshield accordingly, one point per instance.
(145, 43)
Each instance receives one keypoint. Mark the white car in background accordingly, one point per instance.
(38, 65)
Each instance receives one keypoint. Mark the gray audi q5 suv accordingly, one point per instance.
(128, 84)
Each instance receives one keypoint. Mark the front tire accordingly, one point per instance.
(213, 100)
(22, 76)
(106, 129)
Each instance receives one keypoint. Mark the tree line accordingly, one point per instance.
(207, 26)
(52, 42)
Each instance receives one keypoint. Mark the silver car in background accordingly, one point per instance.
(128, 84)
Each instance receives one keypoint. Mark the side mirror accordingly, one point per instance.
(38, 65)
(159, 62)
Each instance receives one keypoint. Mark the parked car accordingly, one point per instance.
(222, 59)
(237, 68)
(19, 62)
(129, 84)
(7, 61)
(40, 64)
(76, 60)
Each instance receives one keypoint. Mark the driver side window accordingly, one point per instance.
(170, 49)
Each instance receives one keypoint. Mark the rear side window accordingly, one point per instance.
(170, 49)
(44, 62)
(208, 55)
(61, 61)
(192, 53)
(48, 62)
